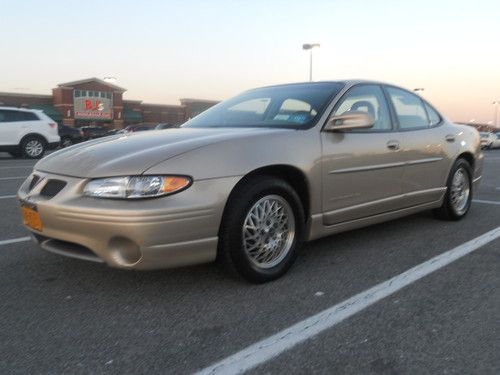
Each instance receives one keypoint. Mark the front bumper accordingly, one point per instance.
(171, 231)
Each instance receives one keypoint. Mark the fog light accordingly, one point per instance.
(124, 251)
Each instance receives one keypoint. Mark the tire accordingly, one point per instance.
(242, 251)
(33, 147)
(457, 201)
(66, 142)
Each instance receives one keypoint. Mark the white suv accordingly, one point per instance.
(27, 132)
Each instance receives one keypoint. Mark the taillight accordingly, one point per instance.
(53, 125)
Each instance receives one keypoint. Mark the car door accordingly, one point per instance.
(426, 143)
(362, 169)
(10, 127)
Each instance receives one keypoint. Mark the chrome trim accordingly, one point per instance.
(384, 166)
(423, 161)
(367, 168)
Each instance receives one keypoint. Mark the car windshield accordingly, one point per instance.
(293, 106)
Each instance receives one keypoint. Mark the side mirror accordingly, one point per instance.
(349, 120)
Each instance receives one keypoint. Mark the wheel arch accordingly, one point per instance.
(469, 157)
(292, 175)
(34, 135)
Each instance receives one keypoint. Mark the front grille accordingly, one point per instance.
(34, 180)
(52, 187)
(68, 249)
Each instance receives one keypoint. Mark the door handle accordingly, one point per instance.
(393, 145)
(450, 138)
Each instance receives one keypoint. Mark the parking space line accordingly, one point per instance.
(14, 178)
(14, 240)
(7, 196)
(485, 202)
(286, 339)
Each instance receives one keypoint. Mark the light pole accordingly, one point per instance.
(310, 46)
(495, 111)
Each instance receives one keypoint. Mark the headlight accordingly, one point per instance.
(136, 186)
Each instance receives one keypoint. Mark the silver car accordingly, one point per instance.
(250, 179)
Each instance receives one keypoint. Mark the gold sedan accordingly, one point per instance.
(250, 179)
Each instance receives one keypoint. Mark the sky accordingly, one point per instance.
(161, 51)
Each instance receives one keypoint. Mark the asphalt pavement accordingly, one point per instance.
(62, 315)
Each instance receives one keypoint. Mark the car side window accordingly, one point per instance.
(434, 117)
(366, 98)
(409, 109)
(23, 116)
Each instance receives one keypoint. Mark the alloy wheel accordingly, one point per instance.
(460, 191)
(33, 148)
(268, 231)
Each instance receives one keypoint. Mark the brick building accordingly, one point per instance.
(96, 102)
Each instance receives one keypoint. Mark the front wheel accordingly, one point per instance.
(458, 197)
(261, 229)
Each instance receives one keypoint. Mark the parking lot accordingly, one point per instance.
(61, 315)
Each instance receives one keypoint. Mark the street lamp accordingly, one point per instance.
(310, 46)
(495, 104)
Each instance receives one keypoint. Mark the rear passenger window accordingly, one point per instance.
(409, 109)
(27, 116)
(434, 117)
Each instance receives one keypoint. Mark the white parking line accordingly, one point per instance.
(14, 178)
(14, 240)
(485, 202)
(282, 341)
(7, 196)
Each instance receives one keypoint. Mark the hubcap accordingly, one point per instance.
(268, 231)
(460, 191)
(33, 148)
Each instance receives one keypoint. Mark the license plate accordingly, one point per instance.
(31, 218)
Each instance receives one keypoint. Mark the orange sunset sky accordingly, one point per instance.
(164, 50)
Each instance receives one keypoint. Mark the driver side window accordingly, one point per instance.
(366, 98)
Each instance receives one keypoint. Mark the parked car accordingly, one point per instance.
(69, 136)
(136, 128)
(92, 132)
(165, 126)
(496, 141)
(487, 139)
(27, 132)
(248, 180)
(112, 132)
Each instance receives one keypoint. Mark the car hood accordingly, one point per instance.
(132, 154)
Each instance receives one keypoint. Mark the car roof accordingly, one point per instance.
(21, 109)
(346, 82)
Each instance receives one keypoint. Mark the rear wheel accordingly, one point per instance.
(66, 142)
(33, 147)
(261, 229)
(458, 196)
